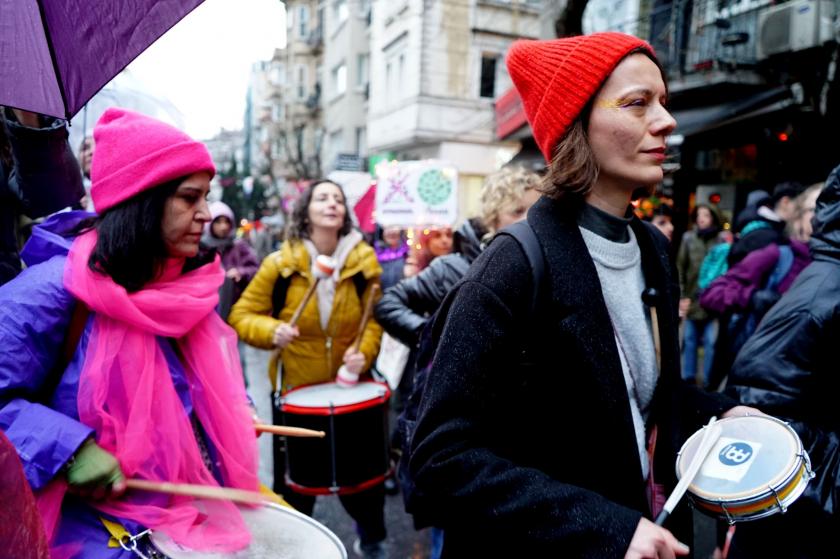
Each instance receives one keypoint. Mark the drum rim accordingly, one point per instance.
(315, 490)
(779, 482)
(298, 409)
(783, 491)
(757, 509)
(286, 510)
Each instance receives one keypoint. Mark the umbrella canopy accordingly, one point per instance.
(128, 93)
(56, 55)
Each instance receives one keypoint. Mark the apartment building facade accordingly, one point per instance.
(436, 67)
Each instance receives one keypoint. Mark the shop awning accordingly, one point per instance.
(510, 116)
(702, 119)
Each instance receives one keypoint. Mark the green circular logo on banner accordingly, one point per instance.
(434, 187)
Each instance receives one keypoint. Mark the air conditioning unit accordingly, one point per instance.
(794, 26)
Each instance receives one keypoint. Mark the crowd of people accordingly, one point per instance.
(123, 319)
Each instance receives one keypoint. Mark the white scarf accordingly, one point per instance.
(326, 287)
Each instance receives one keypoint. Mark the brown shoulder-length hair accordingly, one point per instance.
(298, 227)
(573, 170)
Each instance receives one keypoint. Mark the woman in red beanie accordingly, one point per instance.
(100, 381)
(507, 455)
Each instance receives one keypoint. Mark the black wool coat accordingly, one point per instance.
(525, 445)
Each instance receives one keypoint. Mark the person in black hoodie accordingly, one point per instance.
(788, 368)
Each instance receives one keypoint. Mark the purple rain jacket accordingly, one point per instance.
(732, 291)
(241, 256)
(35, 312)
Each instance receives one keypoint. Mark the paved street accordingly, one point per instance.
(404, 541)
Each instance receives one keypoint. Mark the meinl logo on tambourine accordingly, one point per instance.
(735, 454)
(731, 459)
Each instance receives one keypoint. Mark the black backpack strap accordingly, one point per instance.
(278, 295)
(360, 283)
(527, 239)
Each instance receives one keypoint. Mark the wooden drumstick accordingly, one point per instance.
(288, 431)
(345, 378)
(199, 491)
(374, 289)
(324, 268)
(710, 437)
(650, 297)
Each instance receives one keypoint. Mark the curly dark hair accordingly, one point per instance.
(298, 227)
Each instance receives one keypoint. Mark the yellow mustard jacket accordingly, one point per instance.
(315, 355)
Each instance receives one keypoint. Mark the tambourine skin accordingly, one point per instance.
(276, 532)
(757, 468)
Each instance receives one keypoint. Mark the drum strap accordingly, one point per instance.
(655, 491)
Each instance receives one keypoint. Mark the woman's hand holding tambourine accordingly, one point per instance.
(742, 411)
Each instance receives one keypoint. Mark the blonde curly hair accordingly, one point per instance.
(504, 187)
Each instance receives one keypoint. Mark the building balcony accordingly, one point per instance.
(313, 102)
(315, 40)
(737, 45)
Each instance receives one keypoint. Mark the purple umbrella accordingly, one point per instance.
(56, 54)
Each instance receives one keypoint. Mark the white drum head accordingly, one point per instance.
(752, 454)
(324, 395)
(277, 533)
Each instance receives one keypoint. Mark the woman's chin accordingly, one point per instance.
(183, 251)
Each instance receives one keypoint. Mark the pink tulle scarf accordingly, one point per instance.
(127, 396)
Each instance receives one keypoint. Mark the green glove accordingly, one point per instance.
(95, 472)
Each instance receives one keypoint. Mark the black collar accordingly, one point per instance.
(604, 224)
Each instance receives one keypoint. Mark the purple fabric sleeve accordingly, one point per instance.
(45, 439)
(247, 258)
(732, 291)
(35, 312)
(242, 257)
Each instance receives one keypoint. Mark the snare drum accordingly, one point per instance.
(757, 468)
(354, 455)
(276, 533)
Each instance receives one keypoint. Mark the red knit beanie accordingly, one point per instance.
(557, 78)
(135, 152)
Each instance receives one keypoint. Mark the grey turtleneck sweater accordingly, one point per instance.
(618, 261)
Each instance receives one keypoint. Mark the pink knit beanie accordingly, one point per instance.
(557, 78)
(135, 152)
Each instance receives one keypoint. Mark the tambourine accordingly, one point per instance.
(757, 468)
